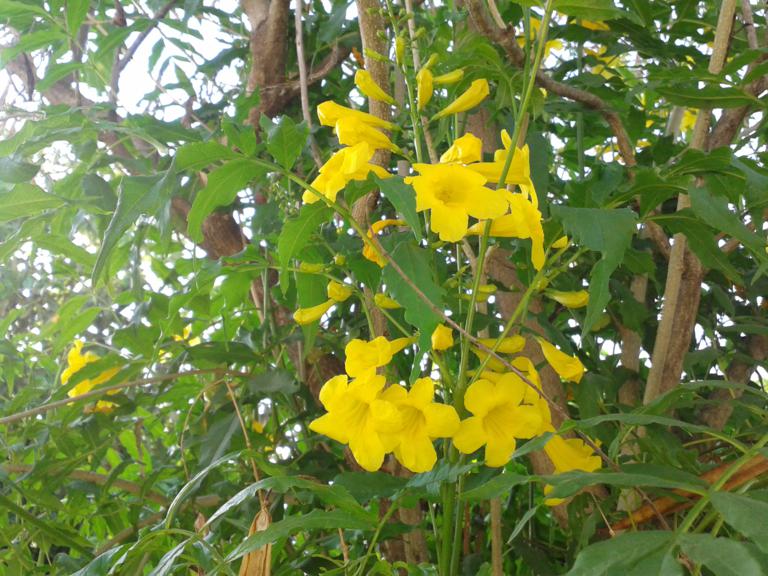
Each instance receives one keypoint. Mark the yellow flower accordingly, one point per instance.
(347, 164)
(449, 77)
(561, 242)
(476, 93)
(464, 150)
(519, 172)
(508, 345)
(577, 299)
(350, 131)
(569, 454)
(304, 316)
(76, 361)
(548, 47)
(567, 367)
(590, 25)
(358, 417)
(257, 427)
(689, 120)
(362, 358)
(330, 113)
(453, 193)
(367, 85)
(442, 338)
(523, 221)
(423, 420)
(385, 302)
(424, 87)
(499, 417)
(368, 251)
(337, 291)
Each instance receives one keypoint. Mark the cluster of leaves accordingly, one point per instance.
(94, 245)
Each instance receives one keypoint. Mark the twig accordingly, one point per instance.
(254, 468)
(106, 389)
(303, 82)
(159, 15)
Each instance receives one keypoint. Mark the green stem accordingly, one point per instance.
(384, 519)
(449, 500)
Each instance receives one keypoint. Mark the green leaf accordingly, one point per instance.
(75, 13)
(415, 263)
(608, 232)
(365, 486)
(337, 496)
(296, 233)
(725, 557)
(26, 200)
(315, 520)
(403, 198)
(15, 171)
(193, 484)
(745, 514)
(591, 9)
(286, 140)
(621, 553)
(569, 483)
(714, 211)
(652, 190)
(497, 486)
(708, 97)
(137, 195)
(198, 155)
(11, 9)
(273, 381)
(223, 185)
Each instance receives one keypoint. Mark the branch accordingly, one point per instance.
(303, 82)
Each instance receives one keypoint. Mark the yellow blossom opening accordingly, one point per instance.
(424, 88)
(358, 417)
(577, 299)
(499, 416)
(453, 193)
(567, 367)
(423, 420)
(442, 338)
(464, 150)
(329, 113)
(347, 164)
(368, 86)
(304, 316)
(368, 251)
(76, 361)
(351, 131)
(337, 291)
(476, 93)
(449, 77)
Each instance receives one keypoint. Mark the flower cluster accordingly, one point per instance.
(76, 361)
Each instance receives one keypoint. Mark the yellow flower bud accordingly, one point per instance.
(476, 93)
(339, 259)
(304, 316)
(385, 302)
(400, 50)
(337, 291)
(311, 267)
(577, 299)
(561, 242)
(508, 345)
(424, 87)
(368, 251)
(367, 85)
(487, 288)
(433, 58)
(567, 367)
(442, 338)
(450, 77)
(373, 55)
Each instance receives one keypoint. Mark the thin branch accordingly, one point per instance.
(303, 82)
(123, 62)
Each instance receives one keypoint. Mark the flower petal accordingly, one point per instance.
(441, 420)
(450, 224)
(368, 450)
(422, 392)
(480, 397)
(329, 425)
(498, 451)
(333, 391)
(470, 436)
(417, 454)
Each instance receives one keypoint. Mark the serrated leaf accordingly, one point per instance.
(708, 97)
(297, 232)
(723, 556)
(137, 195)
(403, 198)
(75, 14)
(223, 185)
(591, 9)
(608, 232)
(286, 140)
(745, 514)
(621, 553)
(415, 264)
(26, 200)
(198, 155)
